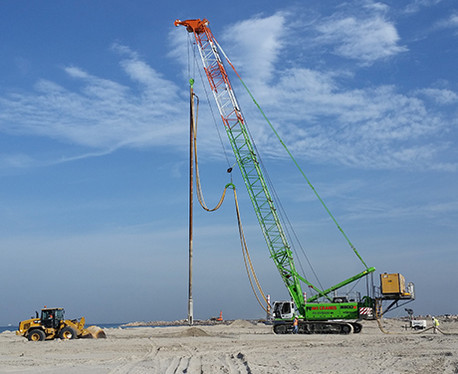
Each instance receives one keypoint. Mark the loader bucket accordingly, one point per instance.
(93, 332)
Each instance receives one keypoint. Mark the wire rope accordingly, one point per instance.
(252, 277)
(283, 216)
(246, 255)
(289, 227)
(200, 195)
(247, 260)
(295, 162)
(211, 110)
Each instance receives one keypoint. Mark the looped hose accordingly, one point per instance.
(246, 255)
(247, 259)
(200, 195)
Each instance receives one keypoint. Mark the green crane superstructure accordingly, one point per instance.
(247, 160)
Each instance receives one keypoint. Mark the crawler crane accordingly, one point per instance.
(336, 315)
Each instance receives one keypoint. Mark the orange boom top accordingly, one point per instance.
(193, 25)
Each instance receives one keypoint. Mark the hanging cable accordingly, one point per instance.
(282, 212)
(246, 255)
(247, 259)
(211, 111)
(199, 192)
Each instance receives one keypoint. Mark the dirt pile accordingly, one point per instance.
(193, 331)
(241, 323)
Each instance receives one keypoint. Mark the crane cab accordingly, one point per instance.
(284, 310)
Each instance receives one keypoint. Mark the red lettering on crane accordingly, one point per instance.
(328, 307)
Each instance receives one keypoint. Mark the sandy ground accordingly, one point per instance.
(240, 347)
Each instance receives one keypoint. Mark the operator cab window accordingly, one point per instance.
(59, 315)
(286, 308)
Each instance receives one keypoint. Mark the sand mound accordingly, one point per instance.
(193, 331)
(241, 323)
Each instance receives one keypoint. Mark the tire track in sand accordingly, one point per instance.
(237, 364)
(135, 361)
(189, 363)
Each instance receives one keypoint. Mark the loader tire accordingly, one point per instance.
(67, 333)
(36, 335)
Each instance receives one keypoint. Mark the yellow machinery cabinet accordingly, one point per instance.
(392, 284)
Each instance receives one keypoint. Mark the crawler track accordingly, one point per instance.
(318, 327)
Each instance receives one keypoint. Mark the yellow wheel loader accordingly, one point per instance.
(52, 325)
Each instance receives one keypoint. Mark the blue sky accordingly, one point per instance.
(94, 154)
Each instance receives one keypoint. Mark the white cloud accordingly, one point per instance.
(379, 7)
(440, 96)
(417, 5)
(321, 118)
(76, 72)
(449, 23)
(255, 44)
(317, 112)
(374, 127)
(16, 160)
(102, 114)
(430, 210)
(365, 38)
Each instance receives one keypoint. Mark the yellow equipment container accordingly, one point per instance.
(393, 284)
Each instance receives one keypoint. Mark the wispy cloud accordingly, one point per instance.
(320, 116)
(383, 210)
(323, 119)
(448, 23)
(365, 35)
(256, 44)
(364, 40)
(375, 127)
(440, 96)
(100, 114)
(15, 160)
(416, 5)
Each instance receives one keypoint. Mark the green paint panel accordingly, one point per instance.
(326, 311)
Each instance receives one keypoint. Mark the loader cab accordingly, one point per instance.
(51, 317)
(284, 309)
